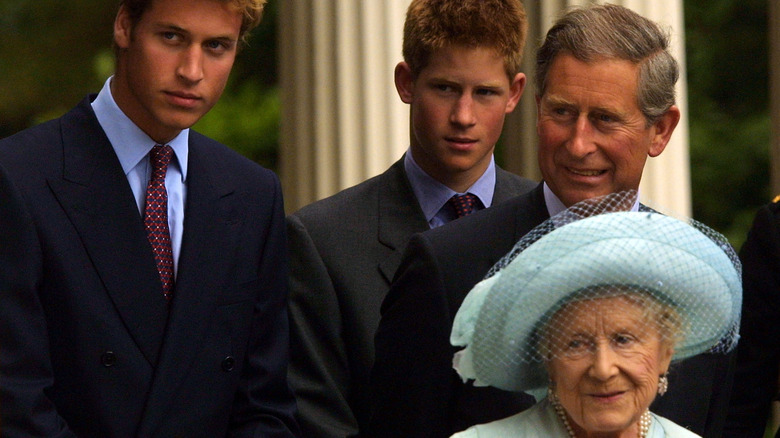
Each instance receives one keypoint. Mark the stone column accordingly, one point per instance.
(342, 121)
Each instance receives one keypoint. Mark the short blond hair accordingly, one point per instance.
(251, 12)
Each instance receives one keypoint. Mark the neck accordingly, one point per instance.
(636, 430)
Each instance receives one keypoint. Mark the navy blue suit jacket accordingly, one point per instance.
(88, 345)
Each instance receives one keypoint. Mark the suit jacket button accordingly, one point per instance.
(108, 359)
(228, 363)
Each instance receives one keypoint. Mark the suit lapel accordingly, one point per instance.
(96, 196)
(399, 216)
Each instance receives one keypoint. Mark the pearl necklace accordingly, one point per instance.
(644, 421)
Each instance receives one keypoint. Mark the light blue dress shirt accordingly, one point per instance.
(433, 195)
(555, 206)
(132, 147)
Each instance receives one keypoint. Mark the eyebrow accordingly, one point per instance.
(176, 28)
(553, 100)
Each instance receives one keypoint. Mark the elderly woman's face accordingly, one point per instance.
(606, 363)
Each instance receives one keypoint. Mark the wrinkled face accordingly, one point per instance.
(606, 363)
(174, 64)
(458, 104)
(593, 139)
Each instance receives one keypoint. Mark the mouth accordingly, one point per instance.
(460, 142)
(183, 99)
(606, 397)
(586, 172)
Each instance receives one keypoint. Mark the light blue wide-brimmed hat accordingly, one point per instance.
(685, 265)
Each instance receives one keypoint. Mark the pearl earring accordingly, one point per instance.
(663, 384)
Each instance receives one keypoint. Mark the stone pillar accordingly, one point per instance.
(342, 121)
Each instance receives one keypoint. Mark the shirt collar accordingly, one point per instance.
(130, 143)
(555, 206)
(432, 195)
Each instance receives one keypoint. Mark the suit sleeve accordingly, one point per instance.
(25, 364)
(319, 372)
(758, 352)
(412, 375)
(264, 405)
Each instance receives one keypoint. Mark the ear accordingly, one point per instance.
(664, 128)
(122, 28)
(538, 99)
(404, 82)
(665, 360)
(515, 92)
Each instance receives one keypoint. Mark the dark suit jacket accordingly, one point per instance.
(88, 344)
(416, 391)
(344, 251)
(758, 353)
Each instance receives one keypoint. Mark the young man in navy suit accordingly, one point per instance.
(460, 77)
(143, 266)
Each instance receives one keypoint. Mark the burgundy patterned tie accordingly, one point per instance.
(156, 216)
(463, 204)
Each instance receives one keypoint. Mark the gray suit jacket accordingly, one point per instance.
(344, 252)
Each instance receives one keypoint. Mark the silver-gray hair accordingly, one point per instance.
(608, 31)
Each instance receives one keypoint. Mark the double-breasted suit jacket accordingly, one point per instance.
(344, 252)
(88, 344)
(418, 394)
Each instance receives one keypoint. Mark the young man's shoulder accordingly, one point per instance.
(226, 162)
(361, 199)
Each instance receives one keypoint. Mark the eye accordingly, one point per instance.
(561, 112)
(444, 88)
(605, 118)
(487, 92)
(577, 347)
(169, 36)
(623, 340)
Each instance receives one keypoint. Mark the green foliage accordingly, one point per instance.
(247, 120)
(46, 56)
(728, 78)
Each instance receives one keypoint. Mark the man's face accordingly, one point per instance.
(458, 104)
(174, 63)
(593, 139)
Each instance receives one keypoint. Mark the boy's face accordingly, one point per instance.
(458, 104)
(174, 63)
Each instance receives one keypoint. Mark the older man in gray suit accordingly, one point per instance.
(346, 248)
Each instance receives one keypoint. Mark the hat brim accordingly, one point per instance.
(649, 251)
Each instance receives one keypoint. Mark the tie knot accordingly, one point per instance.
(463, 204)
(159, 158)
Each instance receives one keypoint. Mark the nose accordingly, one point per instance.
(581, 142)
(191, 64)
(604, 364)
(463, 111)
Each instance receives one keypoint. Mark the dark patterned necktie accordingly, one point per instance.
(463, 204)
(156, 216)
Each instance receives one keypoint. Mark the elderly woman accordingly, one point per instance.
(596, 311)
